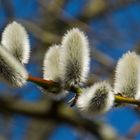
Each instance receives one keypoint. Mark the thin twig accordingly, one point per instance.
(55, 87)
(46, 84)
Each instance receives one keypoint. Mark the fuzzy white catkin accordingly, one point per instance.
(74, 57)
(11, 71)
(51, 64)
(96, 99)
(15, 39)
(126, 76)
(51, 69)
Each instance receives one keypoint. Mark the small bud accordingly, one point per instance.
(74, 57)
(11, 71)
(126, 77)
(15, 39)
(96, 99)
(51, 64)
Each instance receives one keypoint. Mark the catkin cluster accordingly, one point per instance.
(14, 53)
(68, 64)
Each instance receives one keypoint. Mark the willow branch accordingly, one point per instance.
(45, 84)
(56, 87)
(120, 99)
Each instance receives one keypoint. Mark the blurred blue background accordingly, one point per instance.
(113, 33)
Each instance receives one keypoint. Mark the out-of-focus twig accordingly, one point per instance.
(54, 110)
(39, 33)
(102, 58)
(97, 8)
(54, 6)
(134, 131)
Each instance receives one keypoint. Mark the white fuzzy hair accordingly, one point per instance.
(75, 57)
(15, 39)
(11, 71)
(51, 70)
(137, 96)
(126, 76)
(51, 64)
(96, 99)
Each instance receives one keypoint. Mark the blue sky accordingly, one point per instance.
(122, 119)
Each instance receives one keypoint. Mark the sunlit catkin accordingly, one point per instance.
(74, 57)
(126, 76)
(11, 71)
(51, 64)
(51, 69)
(15, 39)
(96, 99)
